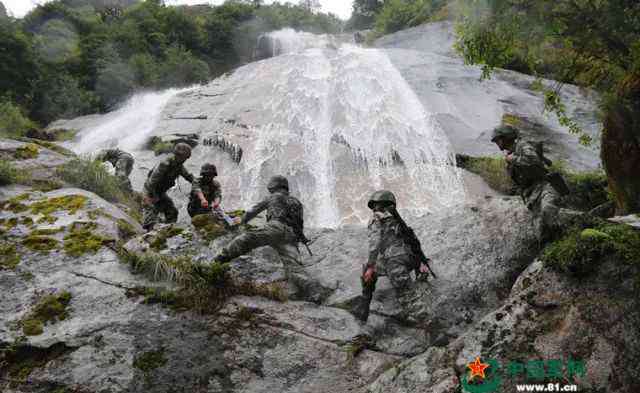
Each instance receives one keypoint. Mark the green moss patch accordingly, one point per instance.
(27, 152)
(50, 309)
(42, 244)
(149, 361)
(208, 226)
(82, 239)
(492, 169)
(46, 185)
(126, 231)
(159, 241)
(15, 204)
(9, 258)
(48, 145)
(580, 251)
(70, 203)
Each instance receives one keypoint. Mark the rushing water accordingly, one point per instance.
(128, 127)
(337, 119)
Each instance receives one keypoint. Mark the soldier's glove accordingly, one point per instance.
(369, 275)
(422, 272)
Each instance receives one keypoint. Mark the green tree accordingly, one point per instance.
(591, 43)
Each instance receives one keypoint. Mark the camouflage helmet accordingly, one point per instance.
(382, 196)
(506, 131)
(278, 183)
(209, 170)
(182, 150)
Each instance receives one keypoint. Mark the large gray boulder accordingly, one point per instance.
(547, 316)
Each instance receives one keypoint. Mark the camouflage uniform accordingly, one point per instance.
(210, 188)
(389, 253)
(529, 173)
(282, 232)
(160, 179)
(122, 162)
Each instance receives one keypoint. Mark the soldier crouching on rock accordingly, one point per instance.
(206, 192)
(394, 248)
(283, 231)
(122, 162)
(160, 179)
(539, 188)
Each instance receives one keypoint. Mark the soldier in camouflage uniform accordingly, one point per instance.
(283, 231)
(206, 192)
(122, 162)
(528, 169)
(389, 252)
(160, 179)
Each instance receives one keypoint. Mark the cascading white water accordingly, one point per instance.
(129, 127)
(338, 121)
(354, 96)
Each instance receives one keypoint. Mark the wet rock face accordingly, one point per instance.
(468, 108)
(547, 316)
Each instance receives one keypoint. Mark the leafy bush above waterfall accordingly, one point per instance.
(68, 58)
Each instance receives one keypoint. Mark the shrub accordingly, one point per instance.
(9, 174)
(12, 122)
(92, 176)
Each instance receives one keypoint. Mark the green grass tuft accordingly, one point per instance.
(149, 361)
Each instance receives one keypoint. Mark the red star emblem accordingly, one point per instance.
(477, 368)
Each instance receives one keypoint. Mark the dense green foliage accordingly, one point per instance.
(388, 16)
(71, 57)
(590, 43)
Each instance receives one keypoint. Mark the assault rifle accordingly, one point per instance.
(412, 241)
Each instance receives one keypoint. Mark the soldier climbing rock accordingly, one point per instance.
(206, 192)
(122, 162)
(394, 249)
(539, 188)
(160, 179)
(283, 231)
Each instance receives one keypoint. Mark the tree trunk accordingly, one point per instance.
(620, 150)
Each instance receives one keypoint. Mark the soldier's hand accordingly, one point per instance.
(424, 268)
(368, 274)
(237, 220)
(147, 200)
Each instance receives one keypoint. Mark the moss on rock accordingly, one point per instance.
(9, 258)
(208, 226)
(50, 309)
(149, 361)
(70, 203)
(27, 152)
(581, 250)
(492, 169)
(159, 241)
(42, 244)
(82, 239)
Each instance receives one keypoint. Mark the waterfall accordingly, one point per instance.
(338, 120)
(322, 96)
(129, 127)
